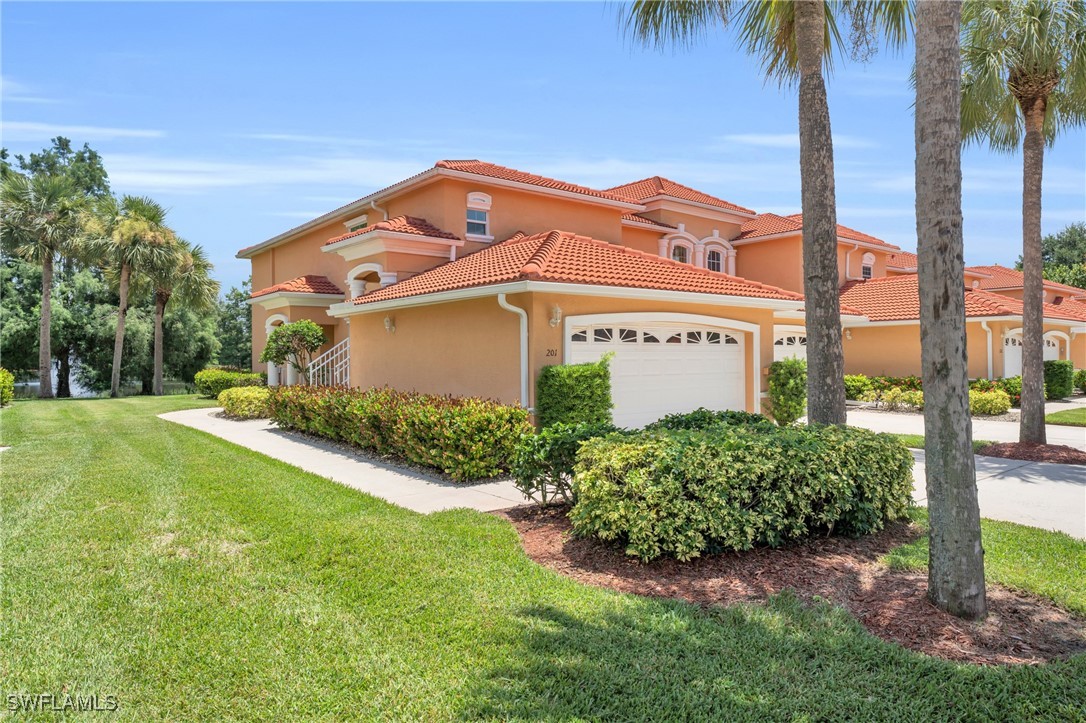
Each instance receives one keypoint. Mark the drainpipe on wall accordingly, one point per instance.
(375, 207)
(523, 347)
(848, 263)
(988, 331)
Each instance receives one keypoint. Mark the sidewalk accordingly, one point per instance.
(1049, 496)
(398, 486)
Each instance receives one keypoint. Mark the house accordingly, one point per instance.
(470, 277)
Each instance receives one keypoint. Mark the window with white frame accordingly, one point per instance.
(356, 224)
(714, 260)
(867, 269)
(680, 254)
(478, 215)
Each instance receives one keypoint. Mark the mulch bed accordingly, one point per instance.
(1032, 452)
(1020, 628)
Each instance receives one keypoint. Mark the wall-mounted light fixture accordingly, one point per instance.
(390, 325)
(556, 315)
(848, 334)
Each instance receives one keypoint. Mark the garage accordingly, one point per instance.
(1012, 353)
(790, 345)
(662, 368)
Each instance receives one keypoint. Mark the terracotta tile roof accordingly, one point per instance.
(1071, 306)
(902, 260)
(770, 224)
(1005, 278)
(653, 186)
(563, 257)
(491, 170)
(400, 224)
(308, 284)
(638, 218)
(897, 298)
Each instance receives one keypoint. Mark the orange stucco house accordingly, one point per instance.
(470, 277)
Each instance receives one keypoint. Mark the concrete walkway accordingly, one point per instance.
(400, 487)
(982, 428)
(1049, 496)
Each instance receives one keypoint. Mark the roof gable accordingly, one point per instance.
(654, 186)
(413, 225)
(308, 284)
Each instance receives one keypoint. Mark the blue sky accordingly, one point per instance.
(247, 119)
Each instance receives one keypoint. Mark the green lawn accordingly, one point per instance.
(196, 580)
(916, 441)
(1070, 417)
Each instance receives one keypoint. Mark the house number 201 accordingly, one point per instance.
(552, 352)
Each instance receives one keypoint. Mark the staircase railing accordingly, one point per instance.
(333, 367)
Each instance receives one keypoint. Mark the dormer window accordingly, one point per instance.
(714, 261)
(356, 224)
(867, 270)
(680, 254)
(478, 216)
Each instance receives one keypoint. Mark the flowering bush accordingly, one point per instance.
(1011, 385)
(856, 385)
(466, 438)
(905, 384)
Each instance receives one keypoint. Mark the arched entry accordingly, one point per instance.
(1012, 350)
(367, 277)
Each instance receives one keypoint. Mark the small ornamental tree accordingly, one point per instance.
(787, 390)
(294, 343)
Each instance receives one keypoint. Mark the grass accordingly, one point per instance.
(1050, 564)
(1069, 417)
(916, 441)
(196, 580)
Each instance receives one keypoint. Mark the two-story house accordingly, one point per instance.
(470, 277)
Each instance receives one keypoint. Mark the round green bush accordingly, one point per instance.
(856, 385)
(211, 382)
(7, 387)
(994, 402)
(245, 402)
(1080, 380)
(787, 390)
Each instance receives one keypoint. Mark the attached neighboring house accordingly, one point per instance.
(470, 277)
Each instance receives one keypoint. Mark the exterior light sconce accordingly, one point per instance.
(848, 334)
(390, 325)
(556, 315)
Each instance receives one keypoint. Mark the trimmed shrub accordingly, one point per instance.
(1080, 380)
(856, 385)
(988, 403)
(466, 438)
(1059, 378)
(7, 387)
(1011, 385)
(684, 493)
(574, 394)
(543, 463)
(245, 402)
(913, 398)
(703, 418)
(787, 390)
(905, 384)
(212, 382)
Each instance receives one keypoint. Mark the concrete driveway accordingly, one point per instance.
(1049, 496)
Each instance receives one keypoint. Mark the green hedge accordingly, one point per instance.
(1059, 378)
(7, 387)
(683, 493)
(787, 390)
(466, 438)
(905, 384)
(856, 385)
(212, 382)
(245, 402)
(989, 403)
(543, 462)
(1011, 385)
(1080, 380)
(574, 394)
(703, 418)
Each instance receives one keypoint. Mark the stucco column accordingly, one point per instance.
(730, 270)
(699, 255)
(292, 374)
(663, 247)
(273, 375)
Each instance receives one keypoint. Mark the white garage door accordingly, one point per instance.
(660, 368)
(790, 345)
(1012, 354)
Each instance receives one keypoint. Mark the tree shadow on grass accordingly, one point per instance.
(663, 660)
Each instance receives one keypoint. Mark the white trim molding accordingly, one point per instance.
(356, 286)
(284, 299)
(377, 241)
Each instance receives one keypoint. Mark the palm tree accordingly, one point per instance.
(185, 275)
(794, 40)
(1024, 81)
(39, 221)
(955, 554)
(131, 236)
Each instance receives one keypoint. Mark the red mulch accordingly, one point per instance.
(1033, 452)
(1020, 628)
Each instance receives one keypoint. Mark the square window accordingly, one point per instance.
(866, 271)
(680, 254)
(628, 336)
(602, 335)
(713, 337)
(478, 222)
(693, 337)
(579, 336)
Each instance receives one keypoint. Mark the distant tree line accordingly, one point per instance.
(99, 288)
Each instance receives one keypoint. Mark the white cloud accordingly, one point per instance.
(786, 140)
(28, 131)
(308, 139)
(13, 91)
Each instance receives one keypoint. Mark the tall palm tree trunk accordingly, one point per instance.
(955, 556)
(161, 299)
(45, 350)
(118, 340)
(825, 356)
(1032, 426)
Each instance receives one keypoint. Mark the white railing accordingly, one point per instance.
(333, 367)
